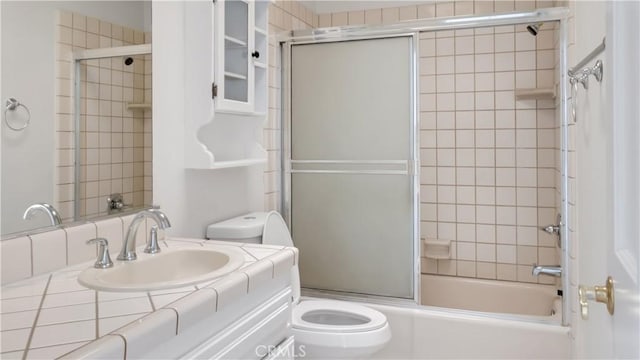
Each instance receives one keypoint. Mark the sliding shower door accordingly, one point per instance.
(352, 199)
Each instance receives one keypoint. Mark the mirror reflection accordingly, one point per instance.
(46, 46)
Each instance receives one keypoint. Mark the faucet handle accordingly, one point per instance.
(152, 246)
(104, 260)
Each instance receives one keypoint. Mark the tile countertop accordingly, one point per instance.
(50, 315)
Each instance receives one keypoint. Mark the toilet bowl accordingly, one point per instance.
(338, 329)
(321, 328)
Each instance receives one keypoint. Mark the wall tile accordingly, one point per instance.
(49, 251)
(373, 17)
(111, 229)
(16, 259)
(390, 15)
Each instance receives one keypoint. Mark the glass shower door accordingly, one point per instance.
(352, 154)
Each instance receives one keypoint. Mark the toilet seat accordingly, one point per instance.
(323, 329)
(336, 317)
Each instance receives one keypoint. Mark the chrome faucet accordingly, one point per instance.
(54, 215)
(551, 270)
(128, 251)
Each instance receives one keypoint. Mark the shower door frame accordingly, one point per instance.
(413, 28)
(412, 163)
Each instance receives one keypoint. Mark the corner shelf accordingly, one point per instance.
(536, 94)
(138, 106)
(237, 163)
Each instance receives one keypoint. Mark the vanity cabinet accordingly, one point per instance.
(264, 332)
(240, 56)
(284, 351)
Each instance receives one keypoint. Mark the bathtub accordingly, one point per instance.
(472, 319)
(492, 296)
(436, 333)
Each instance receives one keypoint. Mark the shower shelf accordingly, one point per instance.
(437, 249)
(536, 94)
(237, 163)
(139, 106)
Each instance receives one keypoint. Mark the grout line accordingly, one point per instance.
(245, 250)
(177, 317)
(35, 320)
(124, 340)
(141, 314)
(153, 306)
(97, 315)
(31, 255)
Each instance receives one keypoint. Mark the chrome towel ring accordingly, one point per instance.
(12, 105)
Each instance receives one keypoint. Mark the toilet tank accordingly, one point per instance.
(245, 228)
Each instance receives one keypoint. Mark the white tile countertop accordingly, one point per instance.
(51, 315)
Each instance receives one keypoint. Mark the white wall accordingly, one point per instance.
(28, 74)
(27, 156)
(191, 198)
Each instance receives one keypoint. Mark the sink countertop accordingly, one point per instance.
(50, 315)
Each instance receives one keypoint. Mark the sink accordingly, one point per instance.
(170, 268)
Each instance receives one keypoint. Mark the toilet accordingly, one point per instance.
(321, 328)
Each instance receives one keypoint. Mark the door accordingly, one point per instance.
(624, 251)
(608, 183)
(352, 154)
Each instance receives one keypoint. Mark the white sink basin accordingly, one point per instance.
(168, 269)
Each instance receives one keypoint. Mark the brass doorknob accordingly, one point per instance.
(602, 294)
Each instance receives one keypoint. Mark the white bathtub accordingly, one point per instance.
(491, 296)
(432, 333)
(471, 319)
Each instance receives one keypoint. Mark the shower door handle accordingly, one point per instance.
(602, 294)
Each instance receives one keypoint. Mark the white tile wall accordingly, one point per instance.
(112, 230)
(286, 16)
(77, 249)
(49, 251)
(16, 259)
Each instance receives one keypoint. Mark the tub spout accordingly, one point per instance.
(52, 213)
(551, 270)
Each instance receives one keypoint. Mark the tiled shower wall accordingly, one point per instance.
(115, 140)
(489, 160)
(283, 16)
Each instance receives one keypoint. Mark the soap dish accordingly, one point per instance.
(437, 249)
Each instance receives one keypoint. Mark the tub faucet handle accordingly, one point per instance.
(551, 229)
(104, 260)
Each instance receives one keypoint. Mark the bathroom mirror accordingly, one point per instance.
(40, 41)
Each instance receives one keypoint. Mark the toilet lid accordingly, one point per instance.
(336, 316)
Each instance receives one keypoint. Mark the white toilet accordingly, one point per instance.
(326, 328)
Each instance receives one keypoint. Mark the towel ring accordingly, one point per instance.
(12, 105)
